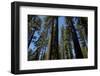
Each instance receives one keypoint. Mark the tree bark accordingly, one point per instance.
(78, 51)
(54, 54)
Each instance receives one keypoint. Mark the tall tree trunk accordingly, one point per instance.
(54, 40)
(78, 51)
(47, 54)
(84, 22)
(69, 43)
(64, 50)
(56, 37)
(61, 46)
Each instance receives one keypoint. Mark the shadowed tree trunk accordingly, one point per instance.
(83, 21)
(77, 48)
(56, 37)
(69, 41)
(82, 29)
(54, 54)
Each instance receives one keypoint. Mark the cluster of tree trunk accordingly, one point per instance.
(72, 44)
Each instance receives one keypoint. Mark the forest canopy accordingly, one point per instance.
(57, 37)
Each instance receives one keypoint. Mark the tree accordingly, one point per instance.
(83, 21)
(34, 23)
(82, 30)
(69, 42)
(42, 44)
(77, 48)
(52, 23)
(62, 45)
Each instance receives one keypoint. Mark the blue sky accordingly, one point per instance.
(61, 23)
